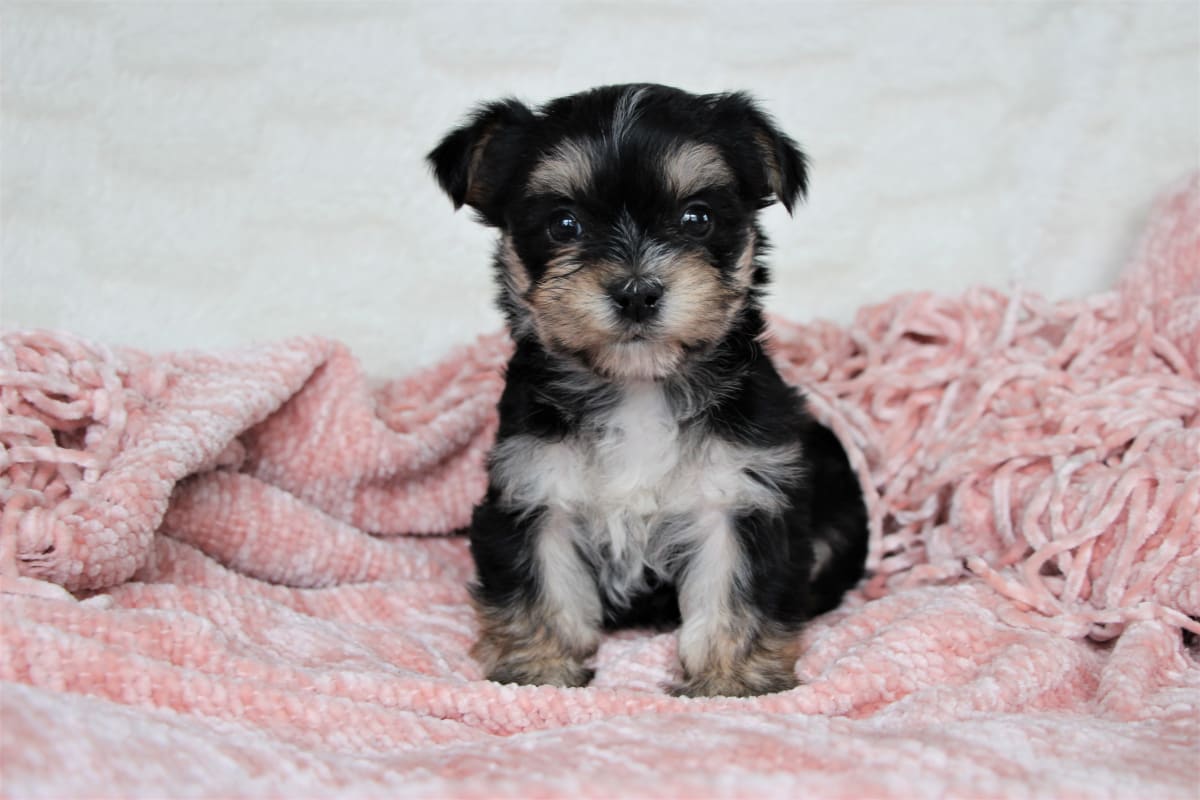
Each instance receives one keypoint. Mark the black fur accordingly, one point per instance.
(725, 386)
(746, 401)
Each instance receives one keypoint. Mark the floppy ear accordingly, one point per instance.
(473, 162)
(782, 167)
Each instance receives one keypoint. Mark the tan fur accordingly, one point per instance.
(697, 306)
(518, 644)
(745, 265)
(742, 661)
(516, 279)
(476, 193)
(573, 312)
(572, 307)
(567, 171)
(694, 166)
(771, 162)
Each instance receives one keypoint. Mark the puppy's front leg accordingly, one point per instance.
(727, 647)
(537, 601)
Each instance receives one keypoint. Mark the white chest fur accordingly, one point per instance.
(636, 454)
(636, 487)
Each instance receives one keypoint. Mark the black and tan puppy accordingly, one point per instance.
(651, 467)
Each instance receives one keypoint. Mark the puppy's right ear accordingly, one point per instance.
(473, 163)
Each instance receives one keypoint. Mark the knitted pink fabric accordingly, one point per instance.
(192, 602)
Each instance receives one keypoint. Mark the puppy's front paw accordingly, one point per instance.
(731, 667)
(533, 658)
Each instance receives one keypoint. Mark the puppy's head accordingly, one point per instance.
(627, 216)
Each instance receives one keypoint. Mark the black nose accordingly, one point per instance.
(636, 301)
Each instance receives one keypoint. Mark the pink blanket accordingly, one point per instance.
(203, 595)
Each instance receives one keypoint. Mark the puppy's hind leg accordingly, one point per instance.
(539, 608)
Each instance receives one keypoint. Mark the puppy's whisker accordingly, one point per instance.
(566, 275)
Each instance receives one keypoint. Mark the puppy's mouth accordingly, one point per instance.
(640, 349)
(636, 334)
(637, 358)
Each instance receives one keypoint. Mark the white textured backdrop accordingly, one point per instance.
(198, 175)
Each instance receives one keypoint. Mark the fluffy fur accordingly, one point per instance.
(651, 467)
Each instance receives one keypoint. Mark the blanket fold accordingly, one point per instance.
(205, 585)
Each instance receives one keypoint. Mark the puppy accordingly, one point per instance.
(651, 467)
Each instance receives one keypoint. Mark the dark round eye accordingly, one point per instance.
(563, 227)
(696, 220)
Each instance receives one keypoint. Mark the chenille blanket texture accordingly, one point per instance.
(206, 591)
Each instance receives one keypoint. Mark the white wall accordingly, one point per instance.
(195, 175)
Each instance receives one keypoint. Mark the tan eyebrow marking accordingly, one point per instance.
(566, 171)
(695, 166)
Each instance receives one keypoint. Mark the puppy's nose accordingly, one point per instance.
(637, 301)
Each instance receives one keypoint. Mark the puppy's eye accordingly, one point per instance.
(696, 221)
(563, 227)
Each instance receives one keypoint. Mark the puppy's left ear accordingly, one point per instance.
(473, 163)
(781, 166)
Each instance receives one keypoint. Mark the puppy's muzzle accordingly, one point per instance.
(636, 300)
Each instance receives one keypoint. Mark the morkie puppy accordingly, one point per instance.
(651, 467)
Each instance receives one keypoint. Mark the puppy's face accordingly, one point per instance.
(627, 218)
